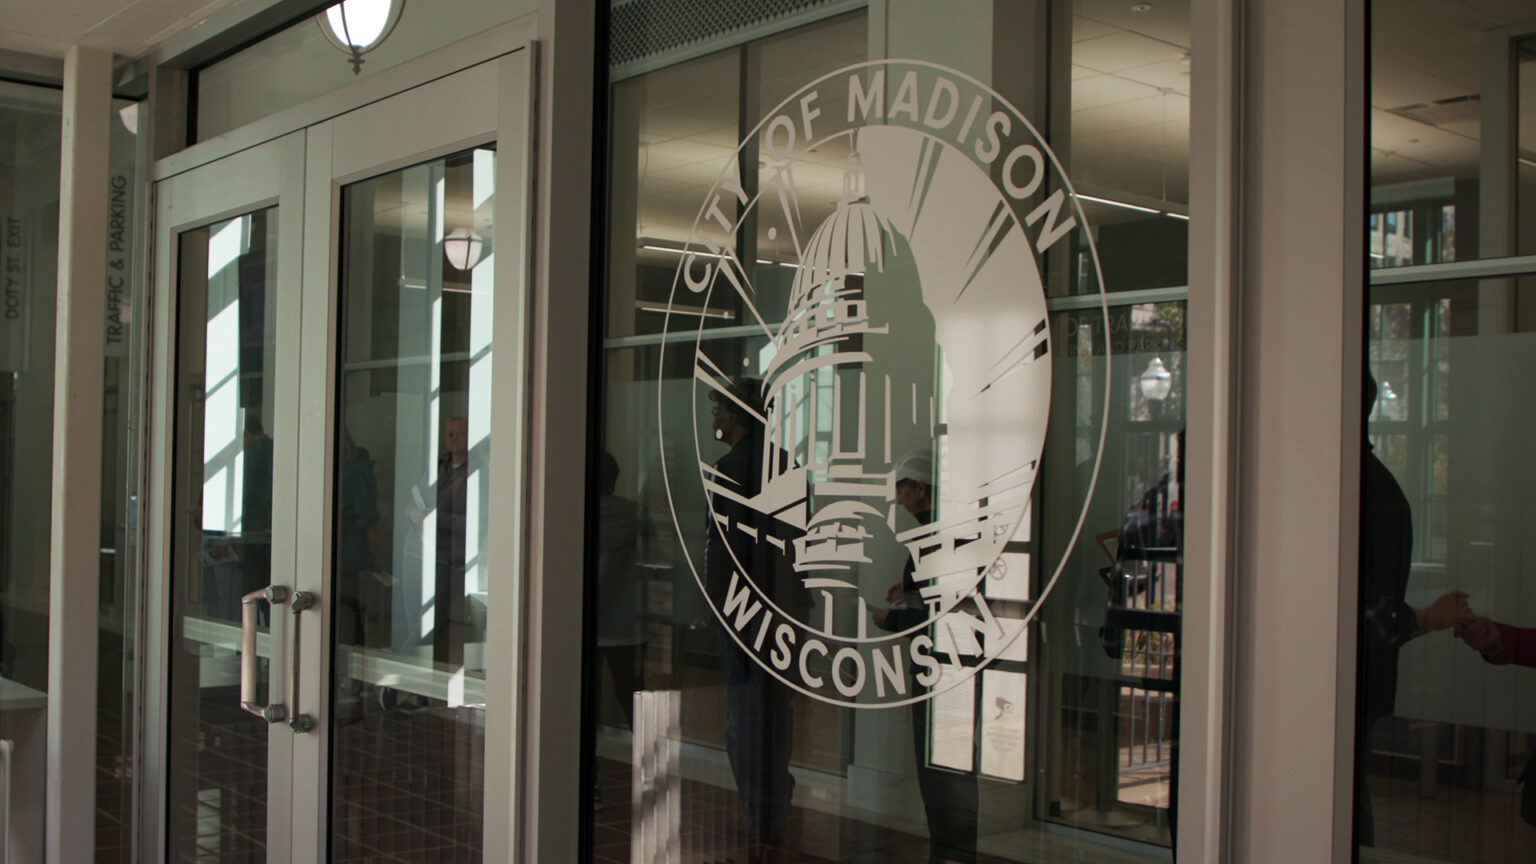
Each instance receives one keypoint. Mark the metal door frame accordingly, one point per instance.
(312, 150)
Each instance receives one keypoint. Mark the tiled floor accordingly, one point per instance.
(408, 786)
(219, 788)
(114, 776)
(1458, 825)
(709, 833)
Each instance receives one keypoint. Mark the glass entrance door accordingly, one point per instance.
(341, 570)
(231, 235)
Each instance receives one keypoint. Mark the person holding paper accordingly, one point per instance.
(949, 797)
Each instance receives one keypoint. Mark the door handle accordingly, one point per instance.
(272, 595)
(301, 722)
(7, 755)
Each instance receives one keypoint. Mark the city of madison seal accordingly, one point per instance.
(876, 247)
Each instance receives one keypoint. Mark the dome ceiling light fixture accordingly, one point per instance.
(359, 26)
(463, 247)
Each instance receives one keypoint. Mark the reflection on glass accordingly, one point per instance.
(1445, 714)
(833, 459)
(29, 232)
(122, 419)
(411, 584)
(226, 343)
(1453, 133)
(1525, 147)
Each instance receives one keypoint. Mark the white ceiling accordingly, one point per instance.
(1130, 114)
(1130, 103)
(127, 27)
(1130, 93)
(1426, 83)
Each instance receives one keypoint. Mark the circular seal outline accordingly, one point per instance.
(1045, 593)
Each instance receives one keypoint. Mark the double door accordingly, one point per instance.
(336, 442)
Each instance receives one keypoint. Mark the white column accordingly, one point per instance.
(74, 557)
(1215, 211)
(549, 786)
(1302, 297)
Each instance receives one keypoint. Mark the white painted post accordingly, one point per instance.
(1303, 275)
(548, 813)
(74, 559)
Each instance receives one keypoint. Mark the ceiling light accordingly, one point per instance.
(463, 248)
(1141, 7)
(1126, 205)
(129, 114)
(690, 311)
(1122, 204)
(699, 253)
(359, 26)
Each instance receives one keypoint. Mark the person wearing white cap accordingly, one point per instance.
(949, 797)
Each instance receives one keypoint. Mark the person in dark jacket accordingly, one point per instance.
(949, 796)
(759, 719)
(620, 628)
(1386, 552)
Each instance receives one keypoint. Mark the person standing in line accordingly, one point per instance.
(620, 630)
(759, 717)
(950, 797)
(1386, 550)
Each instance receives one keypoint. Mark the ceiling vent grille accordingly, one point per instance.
(642, 30)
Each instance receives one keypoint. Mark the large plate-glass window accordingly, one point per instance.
(889, 493)
(1446, 767)
(29, 251)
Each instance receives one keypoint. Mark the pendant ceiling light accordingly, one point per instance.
(359, 26)
(463, 247)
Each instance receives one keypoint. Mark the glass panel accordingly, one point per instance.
(1525, 132)
(1442, 189)
(29, 237)
(125, 349)
(225, 396)
(411, 520)
(1447, 721)
(316, 54)
(873, 422)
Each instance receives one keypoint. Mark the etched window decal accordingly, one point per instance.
(900, 408)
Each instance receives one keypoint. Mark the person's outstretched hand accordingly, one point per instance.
(1446, 612)
(1480, 634)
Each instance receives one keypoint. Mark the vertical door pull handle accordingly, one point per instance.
(301, 722)
(272, 595)
(7, 755)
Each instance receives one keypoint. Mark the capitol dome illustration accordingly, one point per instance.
(849, 389)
